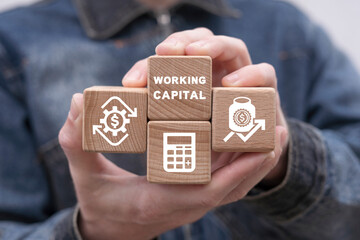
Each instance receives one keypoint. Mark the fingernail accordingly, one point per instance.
(169, 43)
(233, 79)
(74, 110)
(132, 76)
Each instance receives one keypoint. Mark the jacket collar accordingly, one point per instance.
(102, 19)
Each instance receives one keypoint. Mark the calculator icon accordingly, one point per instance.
(179, 152)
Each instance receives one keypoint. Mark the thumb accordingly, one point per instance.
(70, 139)
(137, 75)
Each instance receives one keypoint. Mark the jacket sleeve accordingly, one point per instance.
(24, 196)
(320, 195)
(61, 225)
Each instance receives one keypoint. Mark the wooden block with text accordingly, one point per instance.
(179, 152)
(243, 119)
(179, 87)
(115, 119)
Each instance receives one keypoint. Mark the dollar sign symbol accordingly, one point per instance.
(114, 121)
(242, 117)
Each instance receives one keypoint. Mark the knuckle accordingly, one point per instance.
(243, 49)
(242, 44)
(242, 52)
(268, 70)
(174, 35)
(214, 38)
(204, 30)
(221, 39)
(266, 74)
(178, 36)
(139, 63)
(62, 138)
(183, 36)
(65, 140)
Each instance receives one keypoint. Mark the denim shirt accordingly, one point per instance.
(53, 49)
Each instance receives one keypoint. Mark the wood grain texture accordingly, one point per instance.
(180, 109)
(155, 158)
(263, 99)
(94, 98)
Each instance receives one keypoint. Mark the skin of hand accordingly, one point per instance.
(115, 203)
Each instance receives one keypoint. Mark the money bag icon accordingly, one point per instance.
(241, 115)
(242, 119)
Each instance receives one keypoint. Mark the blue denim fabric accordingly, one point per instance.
(46, 56)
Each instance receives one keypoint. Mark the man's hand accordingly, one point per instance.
(117, 204)
(232, 67)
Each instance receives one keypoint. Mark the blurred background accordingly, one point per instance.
(341, 19)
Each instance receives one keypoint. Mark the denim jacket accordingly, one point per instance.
(53, 49)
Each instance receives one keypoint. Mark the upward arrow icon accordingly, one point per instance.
(260, 123)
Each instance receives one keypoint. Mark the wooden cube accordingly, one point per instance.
(115, 119)
(179, 87)
(243, 119)
(179, 152)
